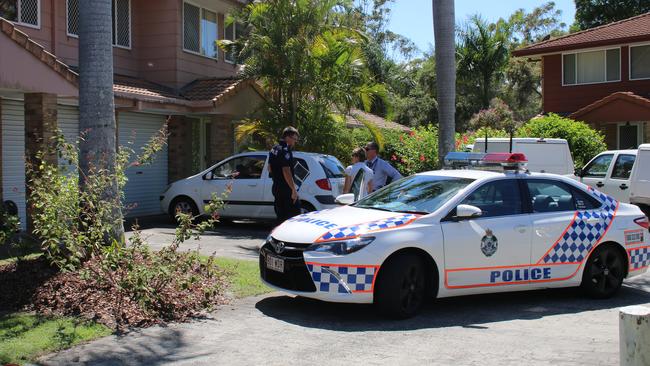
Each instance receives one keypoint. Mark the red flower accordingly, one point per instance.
(401, 138)
(412, 133)
(422, 158)
(393, 158)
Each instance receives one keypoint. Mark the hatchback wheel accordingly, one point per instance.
(306, 207)
(604, 272)
(401, 288)
(183, 204)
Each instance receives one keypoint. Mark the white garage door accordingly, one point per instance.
(13, 155)
(68, 123)
(147, 182)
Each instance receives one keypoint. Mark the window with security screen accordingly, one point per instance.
(232, 32)
(25, 12)
(200, 30)
(121, 17)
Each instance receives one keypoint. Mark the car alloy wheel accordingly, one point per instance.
(604, 272)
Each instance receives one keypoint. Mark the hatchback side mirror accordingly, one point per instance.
(464, 212)
(345, 199)
(578, 172)
(208, 176)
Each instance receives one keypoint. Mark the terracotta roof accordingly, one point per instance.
(22, 39)
(131, 85)
(627, 96)
(356, 116)
(210, 88)
(633, 29)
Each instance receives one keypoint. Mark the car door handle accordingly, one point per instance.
(600, 184)
(623, 186)
(593, 220)
(252, 185)
(521, 228)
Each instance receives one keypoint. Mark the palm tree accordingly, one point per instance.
(97, 148)
(444, 33)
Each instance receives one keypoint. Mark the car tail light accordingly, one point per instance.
(643, 222)
(324, 184)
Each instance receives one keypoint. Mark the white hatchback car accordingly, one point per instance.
(318, 177)
(459, 232)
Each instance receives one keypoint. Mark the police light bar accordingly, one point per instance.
(489, 161)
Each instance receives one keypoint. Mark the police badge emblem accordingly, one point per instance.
(489, 243)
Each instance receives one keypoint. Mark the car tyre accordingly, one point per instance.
(604, 272)
(184, 204)
(306, 207)
(401, 287)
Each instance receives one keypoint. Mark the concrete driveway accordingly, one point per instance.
(549, 327)
(240, 239)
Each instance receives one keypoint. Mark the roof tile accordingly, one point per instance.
(628, 30)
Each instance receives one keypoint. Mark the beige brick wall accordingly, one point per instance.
(222, 138)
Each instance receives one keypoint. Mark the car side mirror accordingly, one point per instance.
(208, 176)
(578, 172)
(464, 212)
(345, 199)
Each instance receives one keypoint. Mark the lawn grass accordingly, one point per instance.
(244, 276)
(24, 336)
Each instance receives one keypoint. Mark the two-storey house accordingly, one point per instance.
(600, 76)
(167, 70)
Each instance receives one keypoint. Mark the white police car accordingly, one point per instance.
(457, 232)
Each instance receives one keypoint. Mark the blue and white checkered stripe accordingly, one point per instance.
(581, 236)
(352, 231)
(342, 279)
(639, 258)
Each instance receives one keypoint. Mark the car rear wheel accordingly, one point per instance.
(306, 207)
(184, 205)
(604, 272)
(401, 287)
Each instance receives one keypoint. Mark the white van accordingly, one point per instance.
(544, 155)
(640, 179)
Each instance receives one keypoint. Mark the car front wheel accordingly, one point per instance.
(183, 204)
(401, 288)
(604, 272)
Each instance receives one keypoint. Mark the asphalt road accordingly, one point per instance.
(548, 327)
(240, 239)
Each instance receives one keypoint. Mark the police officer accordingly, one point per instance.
(286, 203)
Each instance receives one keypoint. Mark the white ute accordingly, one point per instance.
(459, 232)
(622, 174)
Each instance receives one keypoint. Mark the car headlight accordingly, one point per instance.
(341, 247)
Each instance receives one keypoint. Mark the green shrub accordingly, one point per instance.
(412, 152)
(584, 141)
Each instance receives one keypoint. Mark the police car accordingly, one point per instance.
(460, 231)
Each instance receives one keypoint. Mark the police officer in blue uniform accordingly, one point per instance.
(281, 164)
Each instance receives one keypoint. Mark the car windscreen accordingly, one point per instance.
(415, 194)
(332, 167)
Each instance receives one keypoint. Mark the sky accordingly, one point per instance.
(414, 19)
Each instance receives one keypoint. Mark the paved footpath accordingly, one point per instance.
(550, 327)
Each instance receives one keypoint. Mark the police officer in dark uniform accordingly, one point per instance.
(286, 203)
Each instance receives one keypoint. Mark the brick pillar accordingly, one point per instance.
(1, 127)
(40, 128)
(222, 139)
(179, 145)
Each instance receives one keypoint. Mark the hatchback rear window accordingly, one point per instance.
(332, 167)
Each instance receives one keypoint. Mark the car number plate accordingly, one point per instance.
(274, 263)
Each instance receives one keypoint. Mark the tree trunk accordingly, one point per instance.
(445, 53)
(96, 105)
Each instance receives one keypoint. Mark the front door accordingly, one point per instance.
(239, 182)
(491, 250)
(628, 135)
(596, 171)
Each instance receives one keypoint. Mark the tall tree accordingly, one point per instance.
(445, 49)
(592, 13)
(97, 150)
(483, 56)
